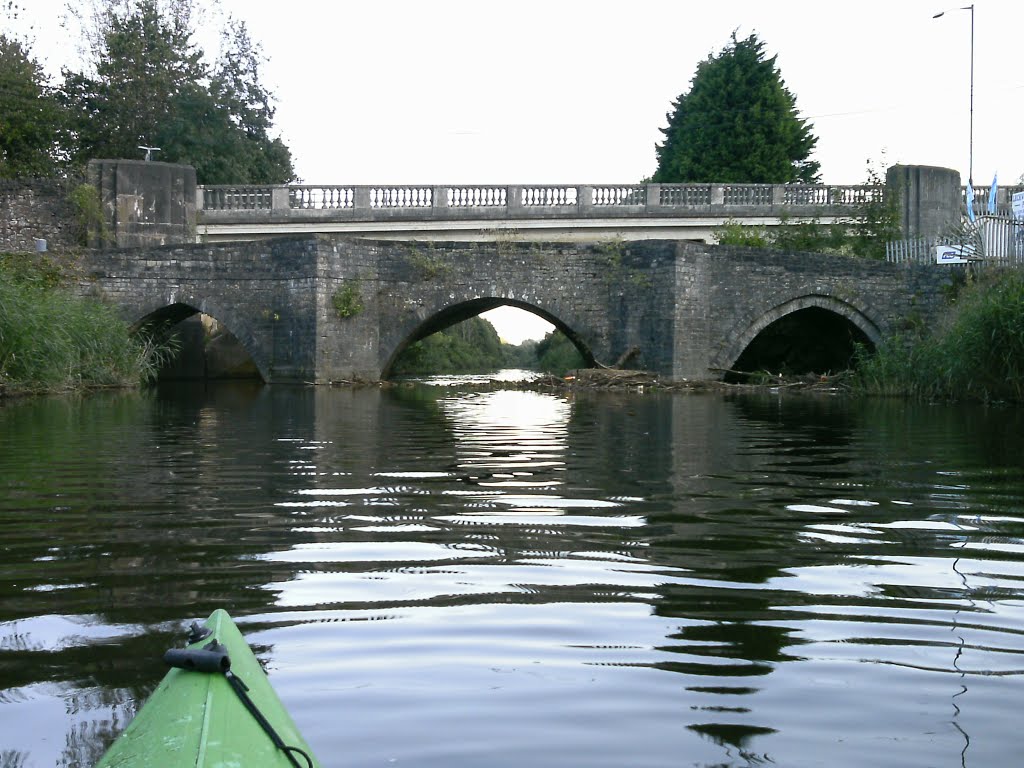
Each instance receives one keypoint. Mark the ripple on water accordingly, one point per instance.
(625, 580)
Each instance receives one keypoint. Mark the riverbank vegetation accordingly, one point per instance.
(977, 355)
(52, 340)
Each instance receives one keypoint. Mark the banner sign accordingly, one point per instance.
(1018, 205)
(950, 254)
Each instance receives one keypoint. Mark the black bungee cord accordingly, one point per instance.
(213, 658)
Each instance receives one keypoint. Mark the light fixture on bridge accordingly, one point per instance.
(970, 162)
(149, 152)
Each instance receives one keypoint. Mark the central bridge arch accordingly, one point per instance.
(461, 311)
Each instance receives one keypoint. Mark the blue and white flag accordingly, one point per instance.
(970, 202)
(993, 193)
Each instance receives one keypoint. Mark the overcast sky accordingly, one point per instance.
(560, 91)
(567, 91)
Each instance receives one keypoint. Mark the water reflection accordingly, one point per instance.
(624, 579)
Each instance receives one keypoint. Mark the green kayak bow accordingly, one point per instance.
(215, 707)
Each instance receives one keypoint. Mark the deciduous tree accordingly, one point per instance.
(30, 116)
(148, 83)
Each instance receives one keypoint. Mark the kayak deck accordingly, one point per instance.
(197, 719)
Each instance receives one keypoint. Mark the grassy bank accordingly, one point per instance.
(978, 354)
(52, 340)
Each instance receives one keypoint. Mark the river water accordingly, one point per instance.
(442, 577)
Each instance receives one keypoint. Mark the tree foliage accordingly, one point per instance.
(472, 346)
(738, 123)
(147, 83)
(557, 354)
(29, 114)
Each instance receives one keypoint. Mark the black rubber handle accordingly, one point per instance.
(198, 660)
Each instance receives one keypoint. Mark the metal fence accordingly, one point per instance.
(994, 240)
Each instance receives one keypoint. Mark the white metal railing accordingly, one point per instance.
(991, 240)
(981, 199)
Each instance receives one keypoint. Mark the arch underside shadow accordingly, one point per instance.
(459, 312)
(859, 327)
(161, 319)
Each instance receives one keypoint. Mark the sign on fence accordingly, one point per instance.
(950, 254)
(1017, 202)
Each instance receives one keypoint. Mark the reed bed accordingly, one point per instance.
(52, 340)
(977, 355)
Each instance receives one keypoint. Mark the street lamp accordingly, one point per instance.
(970, 165)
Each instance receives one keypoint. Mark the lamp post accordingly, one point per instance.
(970, 161)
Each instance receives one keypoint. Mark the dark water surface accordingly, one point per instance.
(462, 579)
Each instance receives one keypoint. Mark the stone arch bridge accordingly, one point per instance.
(321, 308)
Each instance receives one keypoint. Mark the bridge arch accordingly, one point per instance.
(461, 311)
(160, 316)
(863, 324)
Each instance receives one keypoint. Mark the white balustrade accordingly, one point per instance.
(534, 197)
(629, 195)
(524, 200)
(477, 197)
(314, 197)
(401, 197)
(747, 194)
(240, 198)
(672, 195)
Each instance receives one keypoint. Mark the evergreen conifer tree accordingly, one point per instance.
(738, 123)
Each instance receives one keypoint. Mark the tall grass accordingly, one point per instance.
(52, 340)
(977, 355)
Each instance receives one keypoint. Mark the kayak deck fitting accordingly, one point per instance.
(215, 707)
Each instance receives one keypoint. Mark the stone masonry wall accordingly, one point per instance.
(264, 293)
(35, 209)
(727, 295)
(683, 309)
(602, 295)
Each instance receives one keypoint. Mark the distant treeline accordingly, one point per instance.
(474, 347)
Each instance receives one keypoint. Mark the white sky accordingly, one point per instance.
(568, 91)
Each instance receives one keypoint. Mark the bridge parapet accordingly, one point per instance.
(426, 202)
